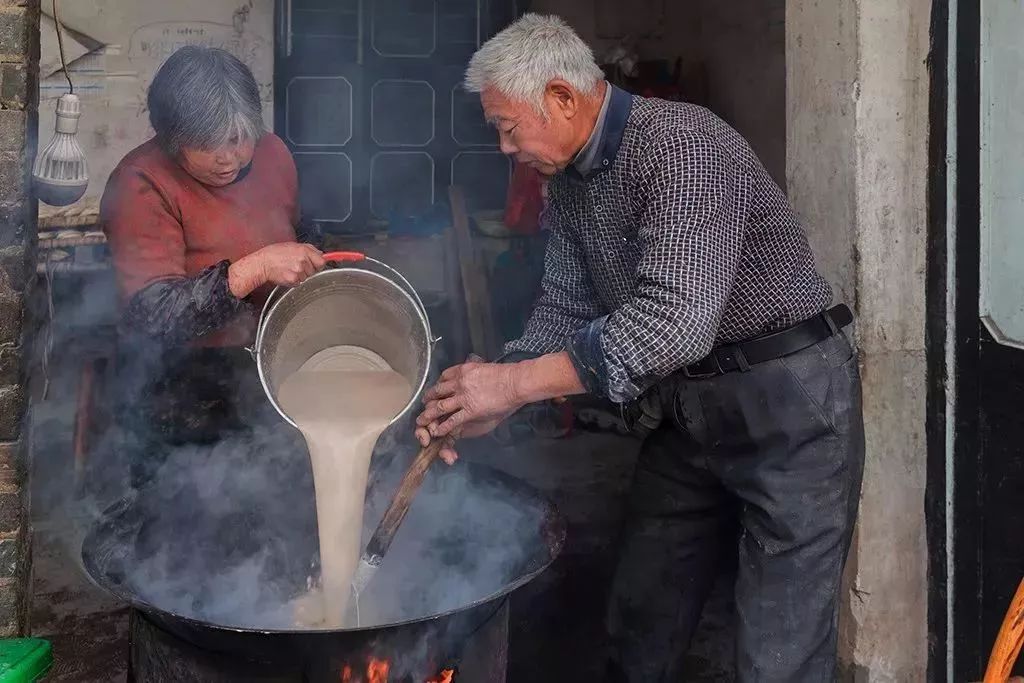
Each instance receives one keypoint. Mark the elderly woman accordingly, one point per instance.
(202, 220)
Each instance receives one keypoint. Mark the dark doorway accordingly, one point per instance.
(976, 386)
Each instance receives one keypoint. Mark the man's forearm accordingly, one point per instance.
(549, 376)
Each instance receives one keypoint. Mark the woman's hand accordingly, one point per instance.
(468, 400)
(286, 264)
(289, 263)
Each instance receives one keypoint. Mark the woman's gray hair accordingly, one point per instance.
(202, 97)
(522, 59)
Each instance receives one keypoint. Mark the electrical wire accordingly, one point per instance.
(51, 321)
(60, 46)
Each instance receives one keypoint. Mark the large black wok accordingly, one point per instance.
(473, 535)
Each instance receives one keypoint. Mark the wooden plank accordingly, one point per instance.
(474, 280)
(459, 344)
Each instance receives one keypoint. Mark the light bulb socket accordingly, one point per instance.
(69, 110)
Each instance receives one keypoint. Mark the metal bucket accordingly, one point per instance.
(382, 313)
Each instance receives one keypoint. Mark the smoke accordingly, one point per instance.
(465, 538)
(226, 533)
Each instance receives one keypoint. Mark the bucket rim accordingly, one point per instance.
(272, 305)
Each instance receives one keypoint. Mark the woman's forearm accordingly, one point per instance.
(245, 276)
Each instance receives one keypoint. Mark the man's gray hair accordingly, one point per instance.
(522, 59)
(202, 97)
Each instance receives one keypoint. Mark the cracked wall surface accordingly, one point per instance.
(857, 115)
(19, 57)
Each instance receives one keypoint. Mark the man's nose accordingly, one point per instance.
(506, 145)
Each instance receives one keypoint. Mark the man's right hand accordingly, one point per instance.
(469, 400)
(286, 264)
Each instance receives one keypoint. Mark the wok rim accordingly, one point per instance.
(552, 528)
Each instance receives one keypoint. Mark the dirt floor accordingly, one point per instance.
(86, 626)
(87, 629)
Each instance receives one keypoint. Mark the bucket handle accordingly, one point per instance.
(345, 256)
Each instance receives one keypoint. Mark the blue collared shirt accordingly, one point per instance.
(588, 159)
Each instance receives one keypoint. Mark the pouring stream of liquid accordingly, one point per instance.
(342, 398)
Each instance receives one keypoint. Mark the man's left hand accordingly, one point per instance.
(468, 400)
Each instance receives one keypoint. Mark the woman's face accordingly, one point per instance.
(217, 167)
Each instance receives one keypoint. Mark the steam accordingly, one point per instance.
(227, 534)
(463, 540)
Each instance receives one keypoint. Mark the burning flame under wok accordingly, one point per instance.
(377, 672)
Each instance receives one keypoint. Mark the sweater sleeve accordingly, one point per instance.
(567, 303)
(148, 249)
(693, 220)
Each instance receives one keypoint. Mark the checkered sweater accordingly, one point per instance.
(682, 242)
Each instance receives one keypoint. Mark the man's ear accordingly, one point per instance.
(562, 97)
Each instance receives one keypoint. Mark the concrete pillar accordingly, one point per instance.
(857, 141)
(19, 66)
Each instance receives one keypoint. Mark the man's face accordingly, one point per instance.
(548, 145)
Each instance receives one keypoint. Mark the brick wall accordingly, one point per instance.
(19, 66)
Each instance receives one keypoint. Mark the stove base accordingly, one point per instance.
(157, 656)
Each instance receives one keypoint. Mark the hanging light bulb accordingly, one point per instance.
(60, 173)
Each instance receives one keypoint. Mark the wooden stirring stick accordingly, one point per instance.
(385, 532)
(392, 519)
(1008, 643)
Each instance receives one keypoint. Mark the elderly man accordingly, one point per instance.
(678, 283)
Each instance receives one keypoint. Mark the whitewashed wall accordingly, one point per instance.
(115, 47)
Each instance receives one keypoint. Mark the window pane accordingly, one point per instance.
(1002, 170)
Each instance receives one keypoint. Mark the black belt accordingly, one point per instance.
(741, 356)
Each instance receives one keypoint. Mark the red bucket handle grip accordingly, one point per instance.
(344, 256)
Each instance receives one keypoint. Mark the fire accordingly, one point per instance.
(377, 672)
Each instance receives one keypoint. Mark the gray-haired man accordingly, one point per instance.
(677, 273)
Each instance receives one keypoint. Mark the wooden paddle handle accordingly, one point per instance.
(1008, 642)
(385, 533)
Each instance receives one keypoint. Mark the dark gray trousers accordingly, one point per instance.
(781, 447)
